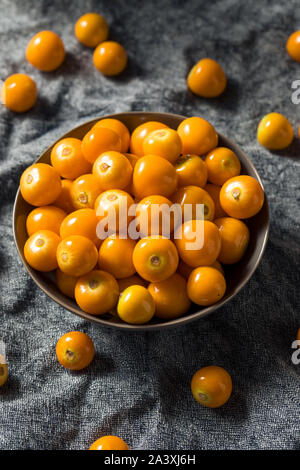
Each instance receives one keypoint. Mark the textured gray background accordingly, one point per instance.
(138, 385)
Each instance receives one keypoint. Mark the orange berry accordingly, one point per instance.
(113, 170)
(136, 305)
(40, 184)
(45, 51)
(197, 136)
(242, 197)
(75, 350)
(275, 132)
(40, 250)
(293, 46)
(134, 280)
(170, 297)
(109, 443)
(139, 134)
(155, 258)
(99, 140)
(114, 201)
(214, 191)
(45, 218)
(165, 143)
(119, 128)
(154, 175)
(194, 196)
(97, 292)
(199, 242)
(81, 222)
(64, 200)
(211, 386)
(19, 93)
(207, 79)
(222, 164)
(151, 213)
(66, 283)
(115, 256)
(68, 160)
(191, 171)
(110, 58)
(84, 191)
(76, 255)
(91, 29)
(206, 286)
(235, 237)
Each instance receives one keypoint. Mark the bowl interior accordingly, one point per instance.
(236, 275)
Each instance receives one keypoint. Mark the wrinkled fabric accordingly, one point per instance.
(138, 386)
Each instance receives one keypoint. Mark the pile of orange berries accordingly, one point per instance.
(46, 52)
(155, 275)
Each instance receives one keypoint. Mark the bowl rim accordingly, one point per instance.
(144, 327)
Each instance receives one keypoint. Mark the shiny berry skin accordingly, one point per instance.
(99, 140)
(207, 79)
(66, 283)
(64, 200)
(293, 46)
(165, 143)
(206, 286)
(40, 250)
(211, 386)
(45, 218)
(110, 58)
(275, 132)
(91, 29)
(84, 191)
(136, 305)
(81, 222)
(222, 164)
(109, 443)
(45, 51)
(75, 350)
(115, 256)
(197, 136)
(97, 292)
(114, 201)
(19, 92)
(235, 237)
(40, 184)
(214, 191)
(170, 297)
(207, 239)
(153, 175)
(76, 255)
(113, 170)
(155, 258)
(140, 133)
(189, 197)
(119, 128)
(191, 171)
(241, 197)
(68, 160)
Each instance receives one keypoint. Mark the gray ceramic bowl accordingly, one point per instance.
(236, 275)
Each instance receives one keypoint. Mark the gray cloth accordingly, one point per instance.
(138, 386)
